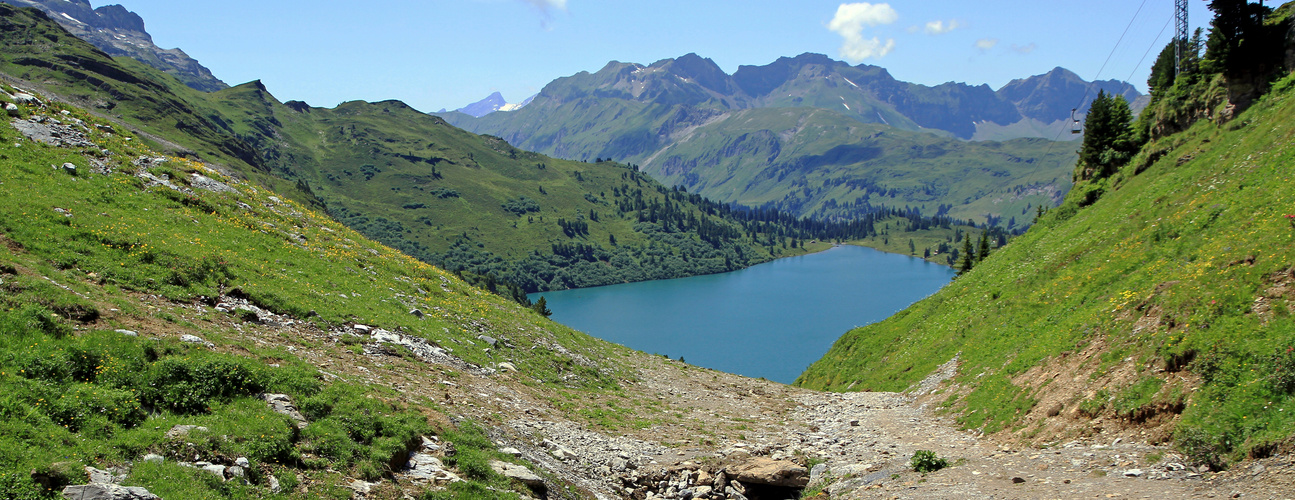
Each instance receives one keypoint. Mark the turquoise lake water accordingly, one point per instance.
(770, 321)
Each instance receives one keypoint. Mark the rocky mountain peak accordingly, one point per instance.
(120, 32)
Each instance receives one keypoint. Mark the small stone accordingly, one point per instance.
(489, 340)
(69, 168)
(182, 431)
(362, 328)
(12, 109)
(192, 339)
(511, 451)
(274, 484)
(508, 367)
(417, 313)
(128, 333)
(854, 423)
(1018, 480)
(154, 458)
(236, 471)
(216, 470)
(1133, 473)
(242, 462)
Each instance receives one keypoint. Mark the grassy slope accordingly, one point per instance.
(828, 160)
(1182, 269)
(74, 392)
(326, 151)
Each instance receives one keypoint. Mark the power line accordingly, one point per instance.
(1149, 49)
(1088, 88)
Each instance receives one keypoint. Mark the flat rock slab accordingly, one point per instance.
(761, 470)
(107, 492)
(518, 472)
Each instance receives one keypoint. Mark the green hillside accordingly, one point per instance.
(1165, 304)
(824, 164)
(110, 253)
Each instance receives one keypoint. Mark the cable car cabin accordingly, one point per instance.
(1076, 127)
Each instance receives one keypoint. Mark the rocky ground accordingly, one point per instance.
(698, 433)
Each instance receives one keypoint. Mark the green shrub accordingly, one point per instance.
(925, 461)
(83, 403)
(188, 386)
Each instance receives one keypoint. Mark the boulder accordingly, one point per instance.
(107, 492)
(98, 476)
(12, 109)
(282, 404)
(153, 457)
(507, 367)
(770, 472)
(518, 472)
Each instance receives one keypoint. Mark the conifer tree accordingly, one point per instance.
(984, 247)
(1109, 141)
(541, 306)
(968, 256)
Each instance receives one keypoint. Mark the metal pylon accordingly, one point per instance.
(1180, 39)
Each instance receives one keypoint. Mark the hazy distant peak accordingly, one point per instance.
(495, 102)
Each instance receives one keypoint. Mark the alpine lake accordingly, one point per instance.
(771, 321)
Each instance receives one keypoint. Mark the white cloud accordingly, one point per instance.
(938, 27)
(546, 5)
(986, 43)
(849, 22)
(1024, 49)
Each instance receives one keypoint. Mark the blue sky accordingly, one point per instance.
(437, 54)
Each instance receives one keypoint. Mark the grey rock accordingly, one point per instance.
(275, 487)
(518, 472)
(107, 492)
(282, 404)
(511, 451)
(362, 328)
(12, 109)
(236, 471)
(98, 476)
(217, 470)
(508, 367)
(1133, 473)
(25, 98)
(361, 487)
(206, 183)
(69, 168)
(192, 339)
(155, 458)
(128, 333)
(242, 462)
(182, 431)
(816, 472)
(489, 340)
(417, 313)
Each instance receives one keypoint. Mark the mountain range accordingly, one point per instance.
(812, 128)
(119, 32)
